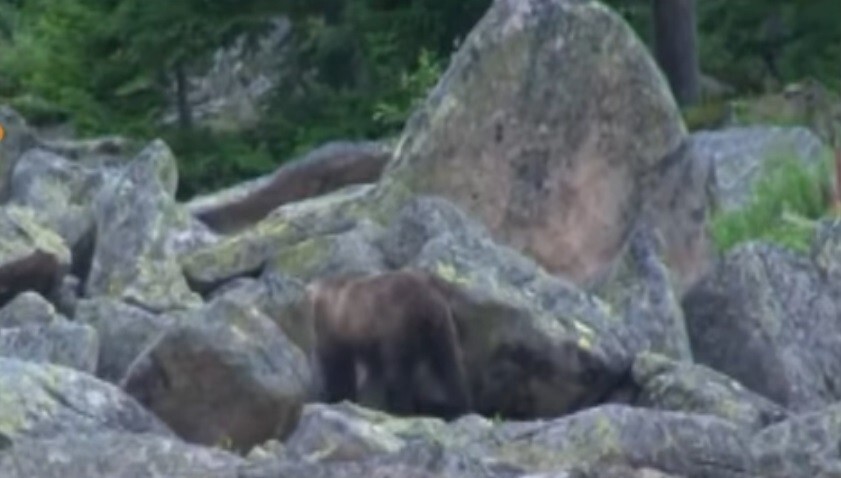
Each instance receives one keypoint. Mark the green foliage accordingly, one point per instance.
(706, 115)
(391, 113)
(367, 64)
(736, 38)
(38, 111)
(359, 66)
(787, 197)
(803, 38)
(209, 160)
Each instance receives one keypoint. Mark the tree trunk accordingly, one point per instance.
(676, 47)
(185, 114)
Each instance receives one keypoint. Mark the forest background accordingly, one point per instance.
(352, 69)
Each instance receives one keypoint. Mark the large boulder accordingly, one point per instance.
(769, 319)
(44, 401)
(329, 167)
(225, 374)
(742, 153)
(555, 128)
(133, 258)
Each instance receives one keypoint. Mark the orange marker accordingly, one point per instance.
(2, 132)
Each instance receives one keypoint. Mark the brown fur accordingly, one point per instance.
(391, 323)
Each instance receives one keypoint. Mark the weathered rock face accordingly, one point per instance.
(685, 387)
(125, 332)
(328, 434)
(544, 127)
(27, 308)
(672, 442)
(595, 443)
(134, 213)
(226, 374)
(62, 343)
(643, 291)
(420, 460)
(768, 319)
(111, 455)
(804, 446)
(740, 154)
(327, 168)
(246, 253)
(279, 297)
(44, 401)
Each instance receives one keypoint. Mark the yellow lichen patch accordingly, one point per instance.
(583, 328)
(12, 414)
(584, 343)
(448, 272)
(303, 256)
(324, 452)
(26, 224)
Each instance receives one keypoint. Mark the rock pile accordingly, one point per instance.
(548, 176)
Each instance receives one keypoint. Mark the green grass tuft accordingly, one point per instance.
(786, 201)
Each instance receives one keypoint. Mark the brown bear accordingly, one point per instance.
(390, 323)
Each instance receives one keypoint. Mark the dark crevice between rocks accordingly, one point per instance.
(5, 442)
(591, 383)
(82, 256)
(206, 289)
(146, 375)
